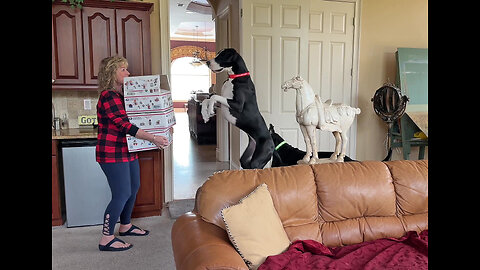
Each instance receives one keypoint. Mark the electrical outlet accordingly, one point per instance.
(87, 104)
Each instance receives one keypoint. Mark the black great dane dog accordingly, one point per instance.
(239, 107)
(286, 155)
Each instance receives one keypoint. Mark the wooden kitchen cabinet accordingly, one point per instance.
(149, 200)
(81, 38)
(57, 217)
(67, 47)
(133, 37)
(99, 39)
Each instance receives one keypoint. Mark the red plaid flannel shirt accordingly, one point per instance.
(113, 127)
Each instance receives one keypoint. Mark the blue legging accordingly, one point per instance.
(124, 181)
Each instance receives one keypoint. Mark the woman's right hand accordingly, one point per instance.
(160, 141)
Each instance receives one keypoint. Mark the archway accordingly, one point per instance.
(186, 78)
(188, 50)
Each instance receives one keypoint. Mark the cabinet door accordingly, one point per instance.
(133, 37)
(57, 218)
(67, 48)
(99, 39)
(149, 200)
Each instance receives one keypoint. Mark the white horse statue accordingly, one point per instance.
(312, 113)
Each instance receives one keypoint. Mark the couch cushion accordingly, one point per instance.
(292, 189)
(254, 227)
(411, 185)
(354, 190)
(363, 201)
(356, 202)
(410, 179)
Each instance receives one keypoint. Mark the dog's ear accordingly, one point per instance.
(230, 54)
(271, 129)
(277, 160)
(219, 52)
(226, 57)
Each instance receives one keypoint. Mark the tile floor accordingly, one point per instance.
(192, 163)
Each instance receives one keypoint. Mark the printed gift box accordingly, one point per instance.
(135, 144)
(149, 121)
(153, 103)
(141, 85)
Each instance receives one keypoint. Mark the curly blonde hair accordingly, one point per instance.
(108, 70)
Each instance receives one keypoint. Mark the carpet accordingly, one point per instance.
(176, 208)
(77, 248)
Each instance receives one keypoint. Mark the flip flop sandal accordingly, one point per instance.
(108, 246)
(129, 232)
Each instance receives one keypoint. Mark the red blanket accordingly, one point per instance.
(407, 252)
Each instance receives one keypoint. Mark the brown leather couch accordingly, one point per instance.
(336, 204)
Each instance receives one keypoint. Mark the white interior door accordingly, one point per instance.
(310, 38)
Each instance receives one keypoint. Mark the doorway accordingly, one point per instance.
(315, 39)
(192, 42)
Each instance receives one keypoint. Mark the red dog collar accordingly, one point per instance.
(233, 76)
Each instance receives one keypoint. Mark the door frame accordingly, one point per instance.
(164, 13)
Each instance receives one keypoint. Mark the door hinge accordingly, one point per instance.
(353, 21)
(241, 13)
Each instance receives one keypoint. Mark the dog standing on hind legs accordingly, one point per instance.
(239, 107)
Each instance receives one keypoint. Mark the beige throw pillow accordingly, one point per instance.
(254, 227)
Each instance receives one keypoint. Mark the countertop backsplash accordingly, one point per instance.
(70, 104)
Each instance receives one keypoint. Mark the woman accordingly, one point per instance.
(120, 166)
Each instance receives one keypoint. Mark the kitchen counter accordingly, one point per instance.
(74, 133)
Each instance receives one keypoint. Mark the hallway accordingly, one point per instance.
(192, 163)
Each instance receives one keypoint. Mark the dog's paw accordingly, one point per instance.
(204, 110)
(211, 106)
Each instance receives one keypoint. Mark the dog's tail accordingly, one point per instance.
(389, 155)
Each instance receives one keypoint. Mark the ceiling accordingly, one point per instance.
(191, 20)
